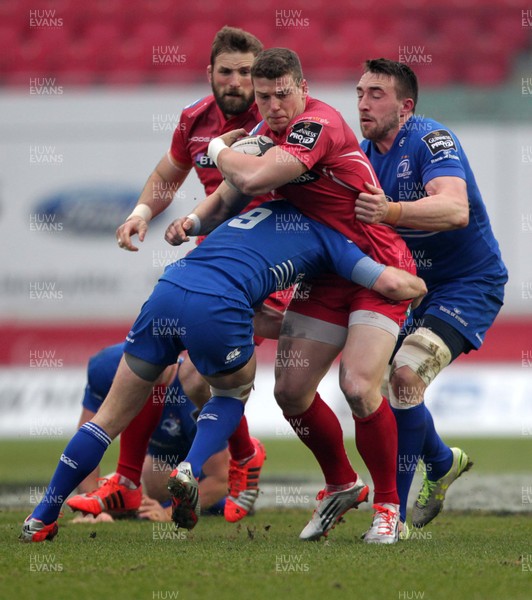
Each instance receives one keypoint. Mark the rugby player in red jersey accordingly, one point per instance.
(317, 165)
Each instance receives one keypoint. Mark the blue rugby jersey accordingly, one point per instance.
(269, 248)
(423, 150)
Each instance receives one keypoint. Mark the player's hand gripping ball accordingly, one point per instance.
(255, 145)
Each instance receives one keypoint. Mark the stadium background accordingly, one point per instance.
(89, 97)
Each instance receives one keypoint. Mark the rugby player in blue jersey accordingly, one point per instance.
(430, 195)
(230, 105)
(205, 303)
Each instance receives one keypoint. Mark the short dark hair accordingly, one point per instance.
(232, 39)
(405, 79)
(277, 62)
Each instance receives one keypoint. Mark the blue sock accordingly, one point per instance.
(437, 456)
(217, 509)
(216, 422)
(81, 456)
(411, 427)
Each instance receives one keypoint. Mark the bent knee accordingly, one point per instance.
(293, 397)
(357, 394)
(407, 387)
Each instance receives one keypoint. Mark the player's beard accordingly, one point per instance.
(380, 131)
(234, 104)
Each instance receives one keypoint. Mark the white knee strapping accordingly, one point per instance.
(240, 393)
(425, 353)
(296, 325)
(374, 319)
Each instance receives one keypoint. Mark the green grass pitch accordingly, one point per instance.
(466, 556)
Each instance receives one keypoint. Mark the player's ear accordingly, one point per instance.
(408, 105)
(304, 88)
(209, 73)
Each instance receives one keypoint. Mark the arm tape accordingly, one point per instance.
(197, 224)
(394, 213)
(143, 211)
(215, 147)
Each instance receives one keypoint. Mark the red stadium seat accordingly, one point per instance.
(415, 6)
(15, 15)
(117, 12)
(81, 65)
(439, 73)
(466, 28)
(195, 41)
(54, 41)
(114, 40)
(32, 57)
(105, 34)
(407, 30)
(130, 65)
(349, 45)
(486, 68)
(264, 30)
(215, 13)
(10, 39)
(508, 30)
(153, 33)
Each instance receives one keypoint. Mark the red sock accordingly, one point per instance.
(376, 440)
(240, 444)
(319, 429)
(135, 438)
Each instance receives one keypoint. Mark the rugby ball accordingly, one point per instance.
(255, 145)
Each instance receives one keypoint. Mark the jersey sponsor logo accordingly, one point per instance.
(403, 169)
(439, 140)
(446, 155)
(198, 138)
(304, 133)
(454, 313)
(308, 177)
(207, 417)
(69, 462)
(203, 161)
(231, 356)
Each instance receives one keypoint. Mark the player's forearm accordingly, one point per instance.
(159, 191)
(246, 173)
(217, 207)
(161, 187)
(255, 176)
(442, 212)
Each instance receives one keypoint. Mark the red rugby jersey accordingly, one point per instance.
(322, 140)
(199, 123)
